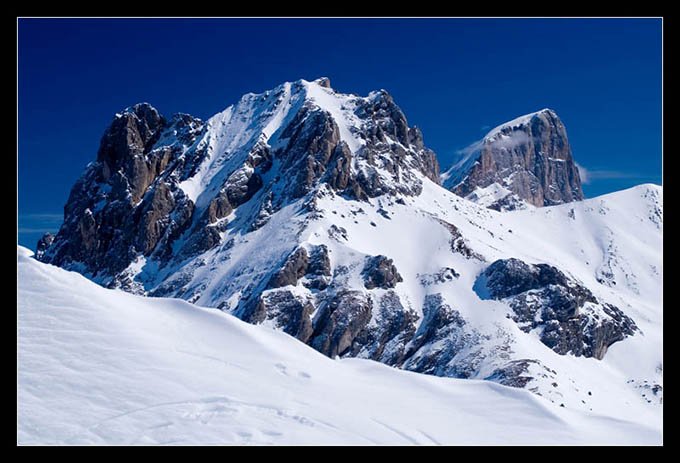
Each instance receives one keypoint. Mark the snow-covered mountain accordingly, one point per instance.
(168, 191)
(321, 214)
(100, 366)
(523, 162)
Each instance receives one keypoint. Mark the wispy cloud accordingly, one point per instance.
(43, 216)
(590, 175)
(39, 223)
(37, 230)
(583, 173)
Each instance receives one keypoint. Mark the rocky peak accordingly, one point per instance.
(323, 82)
(130, 133)
(528, 158)
(168, 189)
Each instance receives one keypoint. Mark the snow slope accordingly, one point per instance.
(589, 240)
(98, 366)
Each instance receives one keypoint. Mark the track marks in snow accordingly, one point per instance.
(434, 441)
(399, 433)
(167, 423)
(283, 369)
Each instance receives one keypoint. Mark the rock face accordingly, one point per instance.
(440, 337)
(43, 243)
(568, 317)
(164, 190)
(127, 202)
(380, 272)
(528, 159)
(294, 268)
(340, 319)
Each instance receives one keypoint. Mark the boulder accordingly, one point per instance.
(380, 272)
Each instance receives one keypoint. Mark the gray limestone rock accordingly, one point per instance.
(516, 373)
(509, 202)
(531, 157)
(318, 275)
(440, 337)
(43, 243)
(290, 312)
(127, 202)
(293, 269)
(380, 272)
(458, 243)
(319, 261)
(387, 338)
(568, 317)
(340, 318)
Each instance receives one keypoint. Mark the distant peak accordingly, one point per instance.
(545, 110)
(529, 155)
(139, 107)
(522, 120)
(140, 110)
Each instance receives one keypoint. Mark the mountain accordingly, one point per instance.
(525, 161)
(102, 367)
(320, 214)
(168, 190)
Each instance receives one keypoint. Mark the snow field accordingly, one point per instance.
(98, 366)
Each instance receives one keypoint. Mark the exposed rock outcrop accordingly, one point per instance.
(126, 204)
(385, 339)
(380, 272)
(441, 336)
(43, 243)
(529, 158)
(568, 317)
(339, 320)
(294, 268)
(458, 243)
(290, 312)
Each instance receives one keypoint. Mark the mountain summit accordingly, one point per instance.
(169, 189)
(526, 160)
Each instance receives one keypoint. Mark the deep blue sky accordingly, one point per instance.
(454, 78)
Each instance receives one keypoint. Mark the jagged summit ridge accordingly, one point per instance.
(526, 160)
(169, 189)
(519, 122)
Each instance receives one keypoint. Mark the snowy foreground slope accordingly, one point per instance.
(100, 366)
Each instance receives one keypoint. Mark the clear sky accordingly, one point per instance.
(453, 78)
